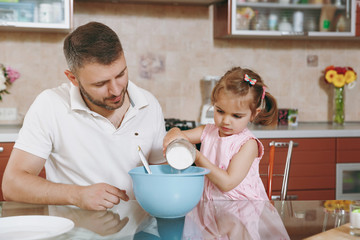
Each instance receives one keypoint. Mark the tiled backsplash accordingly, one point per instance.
(170, 48)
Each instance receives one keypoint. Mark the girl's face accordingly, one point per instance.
(232, 113)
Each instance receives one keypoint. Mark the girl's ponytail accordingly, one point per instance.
(268, 116)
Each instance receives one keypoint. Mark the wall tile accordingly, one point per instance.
(179, 42)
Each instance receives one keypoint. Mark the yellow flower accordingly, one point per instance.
(350, 76)
(332, 205)
(339, 80)
(339, 76)
(330, 75)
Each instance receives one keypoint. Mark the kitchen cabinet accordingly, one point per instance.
(34, 15)
(348, 150)
(285, 19)
(176, 2)
(312, 169)
(5, 151)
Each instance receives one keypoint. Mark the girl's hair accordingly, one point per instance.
(235, 82)
(93, 42)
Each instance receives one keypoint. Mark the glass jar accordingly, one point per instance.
(180, 154)
(259, 22)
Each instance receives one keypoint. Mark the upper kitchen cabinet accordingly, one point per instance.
(297, 19)
(175, 2)
(35, 15)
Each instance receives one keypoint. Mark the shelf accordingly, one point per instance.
(237, 20)
(32, 15)
(299, 35)
(173, 2)
(286, 6)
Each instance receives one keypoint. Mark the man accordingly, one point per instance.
(86, 132)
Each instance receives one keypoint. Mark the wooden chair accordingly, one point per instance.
(285, 176)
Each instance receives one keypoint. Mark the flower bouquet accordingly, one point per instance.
(7, 76)
(332, 205)
(339, 76)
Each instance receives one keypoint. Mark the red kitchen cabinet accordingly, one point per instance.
(5, 151)
(348, 150)
(312, 169)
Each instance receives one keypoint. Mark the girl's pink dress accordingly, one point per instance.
(219, 151)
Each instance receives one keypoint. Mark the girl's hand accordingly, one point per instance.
(172, 134)
(198, 155)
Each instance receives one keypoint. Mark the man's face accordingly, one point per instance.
(104, 86)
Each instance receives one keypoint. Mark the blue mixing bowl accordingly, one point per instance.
(167, 192)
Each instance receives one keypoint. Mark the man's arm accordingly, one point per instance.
(21, 183)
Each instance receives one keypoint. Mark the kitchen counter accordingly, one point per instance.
(308, 130)
(208, 220)
(341, 232)
(8, 133)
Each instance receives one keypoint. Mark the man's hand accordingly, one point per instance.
(101, 222)
(100, 196)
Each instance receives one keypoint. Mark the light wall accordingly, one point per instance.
(170, 48)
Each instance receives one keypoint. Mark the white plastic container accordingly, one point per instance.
(273, 21)
(57, 12)
(45, 12)
(284, 25)
(298, 21)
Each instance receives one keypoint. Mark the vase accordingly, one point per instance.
(339, 100)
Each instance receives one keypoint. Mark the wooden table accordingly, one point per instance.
(339, 233)
(209, 220)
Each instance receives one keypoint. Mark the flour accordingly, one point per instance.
(179, 157)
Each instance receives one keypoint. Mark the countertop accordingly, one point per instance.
(9, 133)
(308, 130)
(341, 232)
(208, 220)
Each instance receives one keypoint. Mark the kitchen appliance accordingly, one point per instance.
(207, 110)
(348, 181)
(182, 124)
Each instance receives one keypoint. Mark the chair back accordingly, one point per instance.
(285, 175)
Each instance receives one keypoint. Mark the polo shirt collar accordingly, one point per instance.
(137, 98)
(76, 100)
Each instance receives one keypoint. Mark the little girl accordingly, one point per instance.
(228, 148)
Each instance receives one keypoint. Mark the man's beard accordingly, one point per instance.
(102, 104)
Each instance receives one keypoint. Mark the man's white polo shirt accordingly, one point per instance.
(82, 147)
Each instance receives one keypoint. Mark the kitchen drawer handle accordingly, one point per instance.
(288, 197)
(283, 144)
(1, 149)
